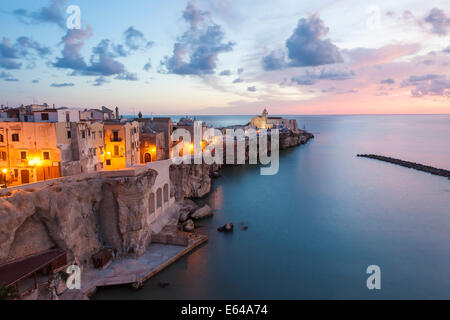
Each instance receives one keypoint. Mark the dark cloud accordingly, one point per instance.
(23, 48)
(202, 44)
(35, 81)
(102, 62)
(238, 80)
(62, 85)
(53, 13)
(252, 89)
(387, 81)
(11, 79)
(225, 73)
(240, 70)
(428, 85)
(305, 47)
(439, 21)
(446, 50)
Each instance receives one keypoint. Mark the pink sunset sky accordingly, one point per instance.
(229, 57)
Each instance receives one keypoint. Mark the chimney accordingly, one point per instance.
(117, 113)
(54, 106)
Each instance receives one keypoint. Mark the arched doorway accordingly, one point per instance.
(147, 157)
(25, 175)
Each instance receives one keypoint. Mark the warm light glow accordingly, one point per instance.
(191, 147)
(35, 162)
(153, 150)
(5, 171)
(108, 153)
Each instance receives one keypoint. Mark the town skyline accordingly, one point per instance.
(221, 57)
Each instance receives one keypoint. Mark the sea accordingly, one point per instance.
(316, 226)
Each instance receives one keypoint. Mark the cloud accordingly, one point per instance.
(275, 60)
(35, 81)
(240, 70)
(238, 80)
(100, 81)
(4, 75)
(53, 13)
(428, 85)
(11, 79)
(148, 65)
(387, 81)
(225, 73)
(439, 21)
(305, 47)
(62, 85)
(446, 50)
(135, 39)
(252, 89)
(360, 57)
(311, 77)
(127, 76)
(73, 42)
(23, 48)
(103, 59)
(196, 51)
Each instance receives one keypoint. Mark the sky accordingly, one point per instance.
(228, 57)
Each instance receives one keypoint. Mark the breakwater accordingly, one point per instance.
(408, 164)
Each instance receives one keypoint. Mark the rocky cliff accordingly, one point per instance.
(78, 214)
(192, 180)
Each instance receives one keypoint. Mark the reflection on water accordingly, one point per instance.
(327, 215)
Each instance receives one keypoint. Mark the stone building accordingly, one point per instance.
(121, 144)
(260, 122)
(28, 152)
(152, 144)
(163, 125)
(82, 147)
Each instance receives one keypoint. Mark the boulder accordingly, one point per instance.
(203, 212)
(189, 226)
(226, 228)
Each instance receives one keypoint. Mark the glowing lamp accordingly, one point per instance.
(5, 171)
(153, 150)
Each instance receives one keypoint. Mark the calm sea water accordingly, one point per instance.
(327, 215)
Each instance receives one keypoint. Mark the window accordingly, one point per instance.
(115, 135)
(93, 134)
(67, 117)
(69, 134)
(116, 150)
(108, 162)
(46, 155)
(23, 155)
(1, 138)
(83, 134)
(89, 132)
(15, 137)
(44, 116)
(100, 134)
(3, 155)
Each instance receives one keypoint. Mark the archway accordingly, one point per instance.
(147, 157)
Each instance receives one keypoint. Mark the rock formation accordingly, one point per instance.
(78, 214)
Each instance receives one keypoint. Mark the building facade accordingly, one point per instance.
(121, 144)
(28, 152)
